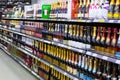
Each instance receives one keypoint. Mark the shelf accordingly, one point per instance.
(94, 22)
(22, 64)
(83, 51)
(45, 62)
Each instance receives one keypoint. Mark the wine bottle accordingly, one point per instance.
(87, 9)
(98, 35)
(80, 9)
(84, 34)
(114, 72)
(117, 10)
(111, 9)
(70, 31)
(81, 33)
(94, 34)
(103, 36)
(118, 42)
(108, 70)
(99, 73)
(104, 75)
(119, 72)
(83, 11)
(114, 37)
(88, 30)
(108, 39)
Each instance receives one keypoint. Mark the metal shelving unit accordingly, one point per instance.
(21, 63)
(83, 51)
(43, 61)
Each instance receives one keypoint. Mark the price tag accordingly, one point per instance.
(37, 76)
(118, 21)
(88, 53)
(76, 79)
(111, 21)
(81, 51)
(95, 55)
(101, 20)
(95, 20)
(65, 73)
(88, 20)
(117, 61)
(69, 47)
(51, 66)
(80, 20)
(105, 57)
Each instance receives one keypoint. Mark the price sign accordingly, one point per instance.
(105, 57)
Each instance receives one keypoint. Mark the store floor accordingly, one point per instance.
(11, 70)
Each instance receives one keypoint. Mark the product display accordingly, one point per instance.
(65, 39)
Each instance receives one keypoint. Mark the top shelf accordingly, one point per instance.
(95, 22)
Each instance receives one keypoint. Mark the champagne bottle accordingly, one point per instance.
(118, 42)
(98, 35)
(108, 39)
(94, 34)
(114, 38)
(103, 36)
(117, 10)
(111, 9)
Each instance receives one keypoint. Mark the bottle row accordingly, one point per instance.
(100, 38)
(81, 65)
(43, 70)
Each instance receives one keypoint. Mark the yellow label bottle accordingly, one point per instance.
(111, 9)
(117, 10)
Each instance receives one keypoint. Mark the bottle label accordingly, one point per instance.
(111, 10)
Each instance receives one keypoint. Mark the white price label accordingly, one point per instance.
(65, 73)
(95, 20)
(75, 79)
(111, 21)
(117, 61)
(81, 51)
(118, 21)
(95, 55)
(105, 57)
(88, 53)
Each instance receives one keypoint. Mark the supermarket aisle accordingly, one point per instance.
(10, 70)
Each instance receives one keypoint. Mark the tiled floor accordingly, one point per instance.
(11, 70)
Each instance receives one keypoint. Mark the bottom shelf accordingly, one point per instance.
(22, 64)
